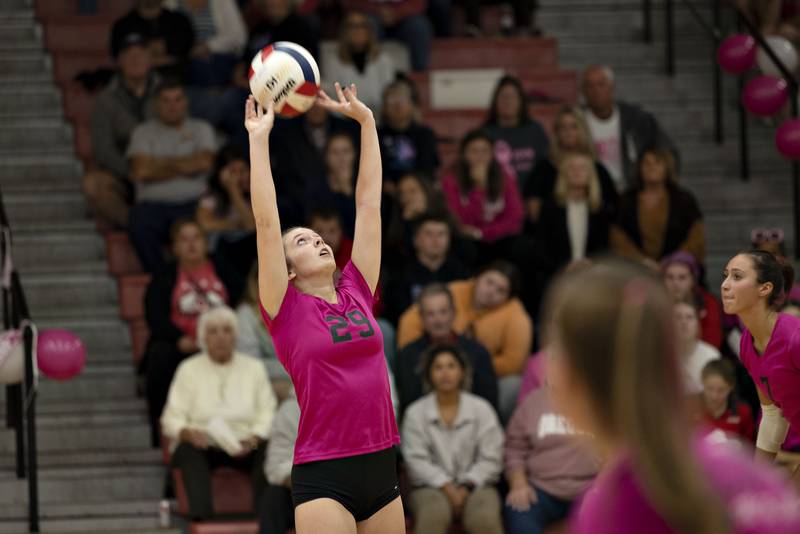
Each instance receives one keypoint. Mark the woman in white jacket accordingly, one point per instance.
(453, 448)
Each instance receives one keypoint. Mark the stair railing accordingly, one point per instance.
(715, 32)
(21, 398)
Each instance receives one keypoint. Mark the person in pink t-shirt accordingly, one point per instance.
(344, 477)
(754, 289)
(613, 370)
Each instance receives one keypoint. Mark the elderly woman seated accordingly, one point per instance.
(219, 412)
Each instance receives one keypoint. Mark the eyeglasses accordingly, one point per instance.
(767, 235)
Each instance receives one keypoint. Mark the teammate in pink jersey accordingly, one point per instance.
(344, 478)
(614, 371)
(754, 288)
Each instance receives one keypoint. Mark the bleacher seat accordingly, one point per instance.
(516, 53)
(79, 35)
(139, 333)
(556, 86)
(67, 65)
(131, 289)
(231, 492)
(51, 10)
(121, 256)
(234, 527)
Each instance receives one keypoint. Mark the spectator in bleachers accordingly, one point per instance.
(694, 352)
(438, 313)
(571, 134)
(519, 140)
(432, 262)
(280, 21)
(415, 195)
(657, 217)
(487, 310)
(326, 221)
(219, 412)
(403, 20)
(175, 299)
(253, 337)
(336, 187)
(125, 103)
(621, 131)
(298, 157)
(484, 197)
(277, 509)
(574, 223)
(169, 34)
(681, 274)
(721, 408)
(171, 157)
(220, 36)
(224, 211)
(406, 144)
(547, 467)
(359, 59)
(453, 449)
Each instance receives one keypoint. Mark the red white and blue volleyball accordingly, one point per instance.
(286, 74)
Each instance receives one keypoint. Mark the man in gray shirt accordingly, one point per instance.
(124, 104)
(171, 157)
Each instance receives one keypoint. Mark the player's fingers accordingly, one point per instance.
(340, 93)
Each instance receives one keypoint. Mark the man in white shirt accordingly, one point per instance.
(621, 131)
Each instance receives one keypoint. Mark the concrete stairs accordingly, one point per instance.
(609, 31)
(97, 470)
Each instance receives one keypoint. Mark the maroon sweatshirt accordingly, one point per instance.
(544, 444)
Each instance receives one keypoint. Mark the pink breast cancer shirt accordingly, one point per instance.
(757, 500)
(334, 355)
(777, 371)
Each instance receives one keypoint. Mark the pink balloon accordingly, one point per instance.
(787, 138)
(60, 354)
(737, 53)
(765, 95)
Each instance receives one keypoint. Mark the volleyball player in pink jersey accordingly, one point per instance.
(754, 288)
(344, 478)
(614, 371)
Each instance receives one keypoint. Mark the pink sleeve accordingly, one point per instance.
(452, 195)
(517, 444)
(532, 378)
(353, 282)
(509, 221)
(284, 312)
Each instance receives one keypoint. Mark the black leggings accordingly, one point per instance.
(363, 484)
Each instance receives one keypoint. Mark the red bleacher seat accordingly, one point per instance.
(67, 65)
(511, 53)
(213, 527)
(131, 289)
(107, 9)
(121, 256)
(139, 336)
(78, 35)
(78, 104)
(231, 492)
(557, 86)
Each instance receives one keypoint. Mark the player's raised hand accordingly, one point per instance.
(257, 120)
(347, 104)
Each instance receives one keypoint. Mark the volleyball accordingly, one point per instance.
(286, 74)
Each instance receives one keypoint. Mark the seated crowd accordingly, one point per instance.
(468, 252)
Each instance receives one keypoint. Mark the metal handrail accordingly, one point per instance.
(21, 403)
(715, 32)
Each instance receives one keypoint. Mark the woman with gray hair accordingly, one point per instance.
(453, 448)
(219, 412)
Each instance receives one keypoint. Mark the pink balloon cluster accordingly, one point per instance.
(61, 354)
(787, 138)
(765, 95)
(737, 53)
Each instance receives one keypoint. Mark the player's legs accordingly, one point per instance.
(388, 520)
(324, 515)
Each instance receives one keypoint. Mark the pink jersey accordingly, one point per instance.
(334, 355)
(777, 371)
(758, 502)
